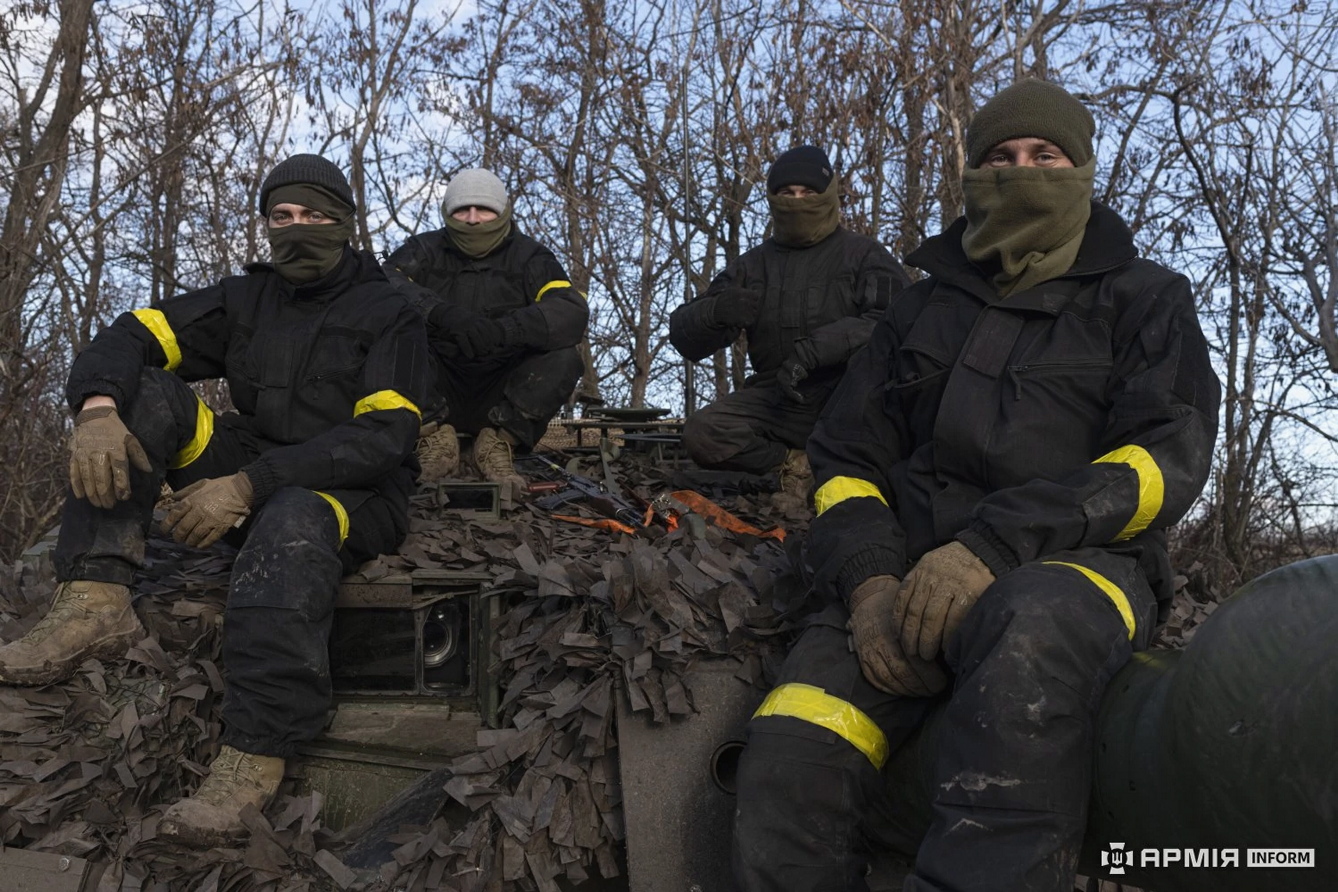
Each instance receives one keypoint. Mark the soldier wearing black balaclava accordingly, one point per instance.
(311, 475)
(995, 476)
(808, 297)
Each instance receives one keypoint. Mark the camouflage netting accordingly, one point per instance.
(89, 765)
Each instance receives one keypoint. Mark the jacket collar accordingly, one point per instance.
(1107, 243)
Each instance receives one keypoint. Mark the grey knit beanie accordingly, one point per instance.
(1036, 108)
(474, 188)
(311, 170)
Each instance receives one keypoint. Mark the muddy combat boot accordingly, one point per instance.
(213, 816)
(796, 482)
(492, 456)
(87, 620)
(438, 453)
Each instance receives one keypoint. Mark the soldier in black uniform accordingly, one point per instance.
(995, 477)
(327, 366)
(808, 297)
(503, 322)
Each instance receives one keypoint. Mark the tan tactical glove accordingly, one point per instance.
(877, 644)
(201, 513)
(938, 593)
(101, 453)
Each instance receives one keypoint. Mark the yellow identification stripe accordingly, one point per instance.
(556, 283)
(384, 399)
(812, 704)
(204, 432)
(838, 489)
(1151, 487)
(1109, 589)
(156, 323)
(340, 514)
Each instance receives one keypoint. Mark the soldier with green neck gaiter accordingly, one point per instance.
(995, 475)
(504, 322)
(807, 298)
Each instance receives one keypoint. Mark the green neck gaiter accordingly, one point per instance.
(1026, 223)
(480, 239)
(802, 222)
(304, 252)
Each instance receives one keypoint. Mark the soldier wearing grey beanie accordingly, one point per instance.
(503, 320)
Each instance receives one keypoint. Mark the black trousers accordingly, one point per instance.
(750, 429)
(1011, 772)
(519, 393)
(292, 552)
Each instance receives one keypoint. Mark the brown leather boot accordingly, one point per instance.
(213, 816)
(796, 482)
(438, 453)
(493, 457)
(87, 620)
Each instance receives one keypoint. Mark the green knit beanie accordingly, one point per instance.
(1036, 108)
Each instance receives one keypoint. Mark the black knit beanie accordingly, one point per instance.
(312, 170)
(801, 166)
(1036, 108)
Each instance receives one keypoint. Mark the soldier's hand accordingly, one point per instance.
(788, 376)
(203, 512)
(736, 307)
(101, 453)
(937, 595)
(877, 643)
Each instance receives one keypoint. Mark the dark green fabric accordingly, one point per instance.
(480, 239)
(801, 222)
(311, 196)
(1025, 224)
(1032, 108)
(304, 252)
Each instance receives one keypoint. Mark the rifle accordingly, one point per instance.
(582, 489)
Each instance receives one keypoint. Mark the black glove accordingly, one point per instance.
(480, 337)
(736, 307)
(795, 368)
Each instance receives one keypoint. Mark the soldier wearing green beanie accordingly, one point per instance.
(995, 475)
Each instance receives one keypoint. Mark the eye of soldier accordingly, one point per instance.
(279, 217)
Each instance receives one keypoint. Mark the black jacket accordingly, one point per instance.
(1080, 412)
(521, 284)
(332, 373)
(831, 293)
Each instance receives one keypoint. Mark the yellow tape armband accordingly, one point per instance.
(156, 323)
(1110, 590)
(838, 489)
(556, 283)
(813, 704)
(340, 514)
(384, 399)
(204, 432)
(1151, 487)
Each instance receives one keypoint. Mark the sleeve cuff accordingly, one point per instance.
(264, 481)
(873, 561)
(513, 334)
(985, 544)
(99, 388)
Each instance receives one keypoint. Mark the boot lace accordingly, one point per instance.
(67, 607)
(228, 772)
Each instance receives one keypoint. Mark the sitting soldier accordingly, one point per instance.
(503, 322)
(808, 297)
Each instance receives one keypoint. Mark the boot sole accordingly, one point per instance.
(200, 839)
(111, 648)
